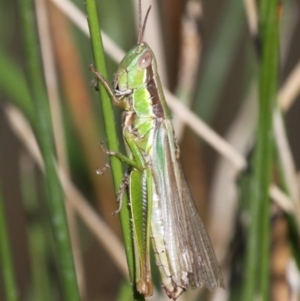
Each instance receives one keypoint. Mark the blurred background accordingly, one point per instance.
(209, 55)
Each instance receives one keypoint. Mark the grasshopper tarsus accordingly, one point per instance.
(97, 74)
(116, 211)
(105, 150)
(92, 68)
(101, 78)
(101, 171)
(94, 84)
(122, 189)
(120, 201)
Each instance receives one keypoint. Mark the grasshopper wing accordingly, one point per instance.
(184, 253)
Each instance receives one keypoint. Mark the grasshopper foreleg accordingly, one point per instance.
(123, 103)
(104, 82)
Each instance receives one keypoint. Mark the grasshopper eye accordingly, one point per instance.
(145, 60)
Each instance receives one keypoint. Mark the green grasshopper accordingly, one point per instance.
(160, 200)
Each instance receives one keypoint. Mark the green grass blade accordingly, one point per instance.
(45, 138)
(125, 292)
(111, 134)
(258, 250)
(38, 237)
(10, 286)
(12, 77)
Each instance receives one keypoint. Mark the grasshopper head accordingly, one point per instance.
(136, 68)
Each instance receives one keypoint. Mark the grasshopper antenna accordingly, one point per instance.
(142, 27)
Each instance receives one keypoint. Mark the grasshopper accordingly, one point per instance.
(162, 208)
